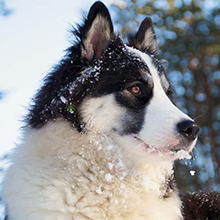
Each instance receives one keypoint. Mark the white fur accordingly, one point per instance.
(162, 116)
(159, 131)
(59, 173)
(100, 114)
(59, 178)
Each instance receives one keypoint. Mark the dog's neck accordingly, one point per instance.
(94, 163)
(101, 152)
(156, 179)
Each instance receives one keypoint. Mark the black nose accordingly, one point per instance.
(188, 129)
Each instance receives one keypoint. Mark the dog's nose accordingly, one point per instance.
(189, 129)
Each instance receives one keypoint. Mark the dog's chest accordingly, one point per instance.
(79, 182)
(108, 196)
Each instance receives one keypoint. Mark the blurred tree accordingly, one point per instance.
(4, 11)
(188, 32)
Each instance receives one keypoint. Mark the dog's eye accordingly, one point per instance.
(136, 90)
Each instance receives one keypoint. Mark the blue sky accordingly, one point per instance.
(32, 40)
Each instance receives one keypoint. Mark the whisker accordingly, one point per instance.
(198, 117)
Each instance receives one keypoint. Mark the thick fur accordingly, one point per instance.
(201, 205)
(67, 183)
(102, 134)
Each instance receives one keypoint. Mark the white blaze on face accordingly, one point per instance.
(161, 119)
(101, 113)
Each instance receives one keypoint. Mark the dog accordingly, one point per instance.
(102, 134)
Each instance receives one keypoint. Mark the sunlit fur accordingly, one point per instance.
(60, 179)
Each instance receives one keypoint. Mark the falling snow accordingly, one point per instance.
(192, 172)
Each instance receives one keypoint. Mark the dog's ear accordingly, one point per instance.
(96, 32)
(145, 38)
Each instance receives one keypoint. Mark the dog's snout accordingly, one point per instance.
(189, 129)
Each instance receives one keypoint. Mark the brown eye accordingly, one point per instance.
(136, 90)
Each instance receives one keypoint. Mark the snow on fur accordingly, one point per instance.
(69, 184)
(92, 147)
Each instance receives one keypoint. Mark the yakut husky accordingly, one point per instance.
(102, 134)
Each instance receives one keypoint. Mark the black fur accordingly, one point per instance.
(97, 8)
(111, 70)
(201, 205)
(132, 122)
(103, 79)
(116, 71)
(170, 186)
(47, 105)
(138, 40)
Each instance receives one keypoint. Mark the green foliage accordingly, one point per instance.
(188, 32)
(71, 108)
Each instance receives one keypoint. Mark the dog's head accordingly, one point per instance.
(121, 90)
